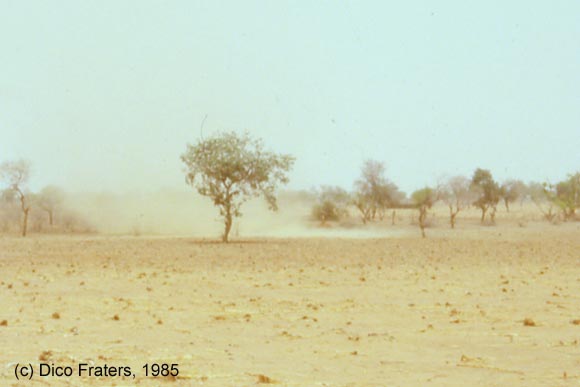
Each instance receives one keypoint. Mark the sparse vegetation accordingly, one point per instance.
(512, 190)
(457, 195)
(15, 175)
(374, 193)
(331, 204)
(424, 200)
(565, 195)
(50, 200)
(487, 191)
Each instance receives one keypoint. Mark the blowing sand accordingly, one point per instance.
(496, 307)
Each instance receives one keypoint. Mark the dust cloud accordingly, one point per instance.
(172, 212)
(185, 213)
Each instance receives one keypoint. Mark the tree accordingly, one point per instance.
(565, 195)
(423, 200)
(50, 199)
(15, 175)
(457, 195)
(488, 192)
(231, 169)
(374, 193)
(542, 196)
(512, 190)
(331, 205)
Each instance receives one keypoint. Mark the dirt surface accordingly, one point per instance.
(492, 307)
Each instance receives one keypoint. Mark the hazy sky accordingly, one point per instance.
(104, 95)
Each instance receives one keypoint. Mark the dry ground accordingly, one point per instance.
(397, 311)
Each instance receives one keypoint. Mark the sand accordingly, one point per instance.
(488, 306)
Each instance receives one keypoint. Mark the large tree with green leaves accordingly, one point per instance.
(231, 169)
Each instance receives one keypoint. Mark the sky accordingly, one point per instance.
(104, 95)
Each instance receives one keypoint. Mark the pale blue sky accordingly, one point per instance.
(103, 95)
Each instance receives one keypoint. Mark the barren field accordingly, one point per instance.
(496, 306)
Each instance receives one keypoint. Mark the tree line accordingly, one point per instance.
(232, 168)
(43, 210)
(374, 194)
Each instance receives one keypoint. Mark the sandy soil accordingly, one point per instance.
(396, 311)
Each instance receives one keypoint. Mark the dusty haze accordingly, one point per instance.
(175, 212)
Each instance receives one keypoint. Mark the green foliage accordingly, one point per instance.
(332, 204)
(424, 197)
(231, 169)
(487, 190)
(565, 195)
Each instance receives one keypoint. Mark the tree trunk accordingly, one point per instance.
(483, 211)
(228, 225)
(393, 218)
(507, 205)
(422, 216)
(50, 218)
(492, 214)
(25, 222)
(452, 219)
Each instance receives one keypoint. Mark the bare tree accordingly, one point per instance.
(540, 195)
(15, 175)
(50, 200)
(374, 193)
(423, 200)
(231, 169)
(457, 195)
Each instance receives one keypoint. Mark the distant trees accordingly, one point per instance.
(512, 190)
(331, 204)
(423, 200)
(565, 195)
(50, 200)
(457, 195)
(487, 191)
(231, 168)
(15, 175)
(541, 195)
(374, 193)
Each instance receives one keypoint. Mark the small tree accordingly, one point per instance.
(374, 193)
(15, 175)
(512, 190)
(50, 200)
(231, 169)
(331, 205)
(488, 192)
(423, 200)
(457, 195)
(542, 197)
(565, 195)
